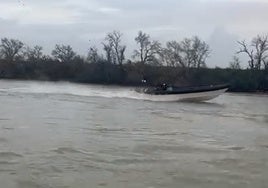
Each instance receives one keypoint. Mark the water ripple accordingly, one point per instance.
(10, 155)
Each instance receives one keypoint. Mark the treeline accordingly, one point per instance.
(178, 63)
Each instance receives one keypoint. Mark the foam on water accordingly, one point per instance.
(67, 88)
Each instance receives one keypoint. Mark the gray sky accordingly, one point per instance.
(219, 22)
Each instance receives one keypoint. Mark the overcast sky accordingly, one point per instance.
(219, 22)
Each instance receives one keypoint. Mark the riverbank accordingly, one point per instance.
(252, 81)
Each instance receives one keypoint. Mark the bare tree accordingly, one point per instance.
(109, 53)
(46, 58)
(191, 52)
(171, 55)
(147, 49)
(257, 52)
(195, 52)
(114, 46)
(10, 49)
(265, 62)
(63, 53)
(93, 55)
(244, 49)
(235, 63)
(261, 46)
(201, 52)
(34, 54)
(187, 50)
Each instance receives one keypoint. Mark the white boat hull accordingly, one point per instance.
(189, 97)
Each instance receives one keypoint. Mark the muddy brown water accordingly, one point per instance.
(71, 135)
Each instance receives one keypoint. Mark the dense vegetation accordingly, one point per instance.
(178, 63)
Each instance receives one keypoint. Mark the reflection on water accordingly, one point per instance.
(72, 135)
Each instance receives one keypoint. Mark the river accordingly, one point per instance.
(61, 135)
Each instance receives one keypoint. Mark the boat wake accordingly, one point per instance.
(66, 88)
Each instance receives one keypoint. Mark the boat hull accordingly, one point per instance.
(188, 97)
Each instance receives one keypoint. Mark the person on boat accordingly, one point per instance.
(164, 86)
(161, 87)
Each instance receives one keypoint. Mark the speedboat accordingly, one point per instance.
(190, 94)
